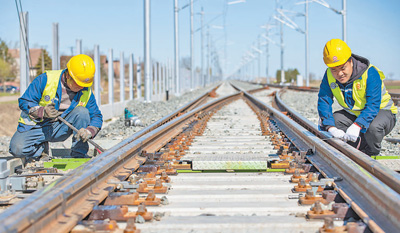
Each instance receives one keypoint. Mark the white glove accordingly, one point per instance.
(352, 132)
(336, 133)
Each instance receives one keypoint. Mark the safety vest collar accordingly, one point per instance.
(49, 95)
(359, 93)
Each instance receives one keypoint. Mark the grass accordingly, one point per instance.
(10, 102)
(8, 94)
(393, 87)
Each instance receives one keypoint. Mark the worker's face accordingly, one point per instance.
(343, 73)
(72, 84)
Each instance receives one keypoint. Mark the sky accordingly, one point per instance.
(373, 30)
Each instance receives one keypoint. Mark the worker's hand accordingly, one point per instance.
(50, 111)
(83, 134)
(336, 133)
(352, 132)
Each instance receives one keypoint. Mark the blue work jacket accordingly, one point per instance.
(33, 94)
(372, 106)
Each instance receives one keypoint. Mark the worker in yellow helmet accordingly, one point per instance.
(64, 93)
(368, 112)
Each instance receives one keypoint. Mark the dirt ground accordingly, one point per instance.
(9, 114)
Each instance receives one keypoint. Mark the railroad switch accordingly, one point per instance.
(96, 226)
(119, 213)
(310, 197)
(126, 198)
(350, 227)
(338, 211)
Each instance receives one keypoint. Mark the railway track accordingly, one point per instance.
(395, 96)
(234, 133)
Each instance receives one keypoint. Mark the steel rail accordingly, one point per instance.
(386, 175)
(395, 96)
(186, 108)
(379, 204)
(60, 205)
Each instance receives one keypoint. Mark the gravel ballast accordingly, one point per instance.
(148, 113)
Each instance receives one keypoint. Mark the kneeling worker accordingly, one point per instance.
(368, 112)
(64, 93)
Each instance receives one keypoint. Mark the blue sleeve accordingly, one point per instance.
(325, 101)
(373, 97)
(33, 93)
(96, 118)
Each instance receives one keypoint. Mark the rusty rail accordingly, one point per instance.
(355, 179)
(386, 175)
(60, 205)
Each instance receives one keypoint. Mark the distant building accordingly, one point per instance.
(35, 56)
(103, 63)
(34, 60)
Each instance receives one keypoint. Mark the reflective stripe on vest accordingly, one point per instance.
(49, 93)
(359, 93)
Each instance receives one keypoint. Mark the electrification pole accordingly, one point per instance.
(344, 14)
(24, 53)
(176, 46)
(282, 51)
(55, 65)
(78, 47)
(191, 47)
(208, 55)
(147, 59)
(306, 34)
(97, 75)
(202, 50)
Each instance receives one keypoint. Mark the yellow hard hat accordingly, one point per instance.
(81, 68)
(336, 53)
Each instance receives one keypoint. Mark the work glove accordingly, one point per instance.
(83, 134)
(336, 133)
(50, 111)
(352, 132)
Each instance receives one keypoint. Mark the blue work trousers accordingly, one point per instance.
(33, 142)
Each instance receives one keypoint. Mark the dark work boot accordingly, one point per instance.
(45, 156)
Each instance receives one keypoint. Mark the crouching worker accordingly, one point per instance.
(58, 93)
(368, 112)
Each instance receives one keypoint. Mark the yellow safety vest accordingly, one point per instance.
(49, 93)
(359, 93)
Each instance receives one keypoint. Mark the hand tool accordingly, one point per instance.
(99, 148)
